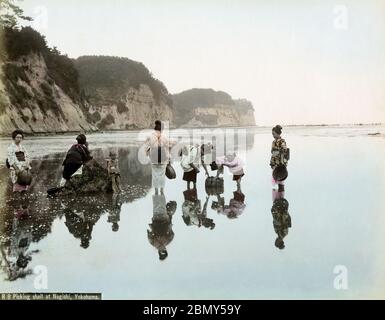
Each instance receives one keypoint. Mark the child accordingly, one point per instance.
(235, 165)
(113, 172)
(190, 163)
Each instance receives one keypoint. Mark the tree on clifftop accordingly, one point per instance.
(10, 14)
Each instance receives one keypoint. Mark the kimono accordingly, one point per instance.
(190, 160)
(278, 153)
(18, 159)
(157, 148)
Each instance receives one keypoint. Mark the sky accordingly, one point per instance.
(297, 61)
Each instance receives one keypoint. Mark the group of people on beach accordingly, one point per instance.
(192, 156)
(158, 150)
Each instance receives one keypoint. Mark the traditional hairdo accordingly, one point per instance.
(17, 132)
(158, 125)
(277, 129)
(81, 139)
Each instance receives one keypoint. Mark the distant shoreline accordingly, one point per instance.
(67, 133)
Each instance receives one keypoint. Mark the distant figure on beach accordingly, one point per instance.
(158, 150)
(280, 155)
(114, 172)
(190, 156)
(18, 162)
(281, 217)
(235, 165)
(76, 156)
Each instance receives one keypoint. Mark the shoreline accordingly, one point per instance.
(68, 133)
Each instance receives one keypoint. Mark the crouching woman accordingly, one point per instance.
(76, 156)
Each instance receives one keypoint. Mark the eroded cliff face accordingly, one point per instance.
(132, 109)
(221, 116)
(41, 95)
(206, 107)
(32, 101)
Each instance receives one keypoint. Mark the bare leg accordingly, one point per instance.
(118, 183)
(114, 186)
(239, 185)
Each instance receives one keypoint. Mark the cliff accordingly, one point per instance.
(32, 101)
(206, 107)
(38, 86)
(44, 91)
(122, 93)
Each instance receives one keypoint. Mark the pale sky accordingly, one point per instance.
(297, 61)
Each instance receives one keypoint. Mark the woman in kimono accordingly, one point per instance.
(76, 156)
(17, 160)
(279, 152)
(157, 148)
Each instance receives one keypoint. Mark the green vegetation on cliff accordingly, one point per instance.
(105, 79)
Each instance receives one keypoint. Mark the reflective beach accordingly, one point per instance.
(103, 243)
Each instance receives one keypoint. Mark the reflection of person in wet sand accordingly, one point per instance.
(192, 212)
(114, 212)
(236, 205)
(80, 224)
(160, 233)
(14, 251)
(281, 217)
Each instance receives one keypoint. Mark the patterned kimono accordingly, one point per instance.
(17, 157)
(278, 150)
(281, 217)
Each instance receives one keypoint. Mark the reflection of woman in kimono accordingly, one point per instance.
(192, 213)
(160, 233)
(15, 259)
(281, 217)
(80, 225)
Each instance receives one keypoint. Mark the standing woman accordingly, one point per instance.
(17, 160)
(158, 150)
(279, 155)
